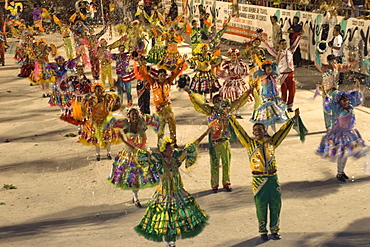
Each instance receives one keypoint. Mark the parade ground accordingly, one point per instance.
(62, 197)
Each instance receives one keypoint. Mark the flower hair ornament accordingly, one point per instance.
(233, 50)
(163, 143)
(96, 84)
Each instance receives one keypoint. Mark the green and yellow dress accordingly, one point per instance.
(172, 213)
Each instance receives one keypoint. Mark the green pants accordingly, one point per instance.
(222, 151)
(268, 197)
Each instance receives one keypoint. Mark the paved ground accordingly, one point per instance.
(63, 199)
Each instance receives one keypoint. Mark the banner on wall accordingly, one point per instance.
(318, 28)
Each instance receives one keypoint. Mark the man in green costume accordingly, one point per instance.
(265, 184)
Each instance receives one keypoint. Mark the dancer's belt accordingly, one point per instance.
(220, 140)
(264, 173)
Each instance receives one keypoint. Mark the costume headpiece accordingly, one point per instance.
(163, 143)
(266, 63)
(40, 40)
(94, 85)
(341, 95)
(233, 50)
(59, 57)
(128, 109)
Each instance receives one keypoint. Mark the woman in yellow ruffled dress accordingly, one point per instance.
(170, 60)
(204, 81)
(98, 130)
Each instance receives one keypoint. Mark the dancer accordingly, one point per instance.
(79, 31)
(143, 88)
(330, 81)
(269, 109)
(126, 173)
(24, 54)
(158, 49)
(233, 72)
(204, 81)
(161, 96)
(93, 43)
(105, 64)
(255, 54)
(265, 185)
(98, 130)
(172, 213)
(80, 89)
(37, 76)
(219, 144)
(66, 34)
(195, 33)
(284, 60)
(57, 73)
(124, 75)
(215, 38)
(170, 60)
(342, 140)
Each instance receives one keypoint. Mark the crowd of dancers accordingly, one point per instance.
(218, 88)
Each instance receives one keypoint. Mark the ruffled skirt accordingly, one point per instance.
(341, 142)
(99, 135)
(232, 89)
(156, 54)
(169, 61)
(270, 113)
(128, 175)
(204, 82)
(171, 216)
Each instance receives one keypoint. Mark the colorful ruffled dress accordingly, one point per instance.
(126, 173)
(98, 129)
(61, 91)
(80, 89)
(342, 140)
(204, 81)
(269, 108)
(234, 85)
(172, 213)
(172, 58)
(158, 50)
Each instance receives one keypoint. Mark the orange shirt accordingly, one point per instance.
(161, 90)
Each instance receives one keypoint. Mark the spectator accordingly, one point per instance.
(359, 6)
(277, 34)
(294, 31)
(174, 10)
(336, 45)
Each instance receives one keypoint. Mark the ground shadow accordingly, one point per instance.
(37, 138)
(356, 234)
(93, 215)
(250, 242)
(318, 188)
(47, 165)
